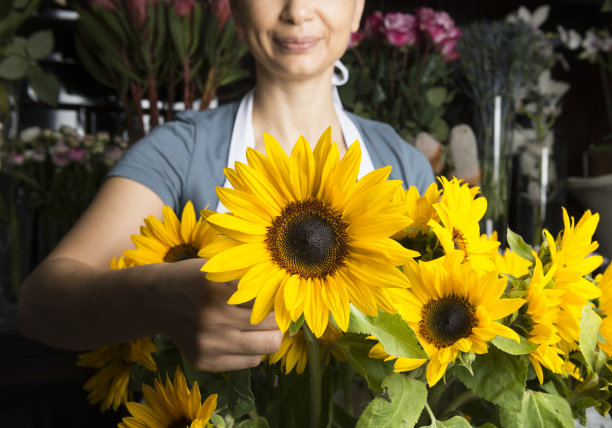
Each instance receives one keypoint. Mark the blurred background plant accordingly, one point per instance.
(400, 71)
(496, 60)
(161, 56)
(54, 176)
(19, 59)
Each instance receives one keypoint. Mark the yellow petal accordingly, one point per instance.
(237, 228)
(235, 258)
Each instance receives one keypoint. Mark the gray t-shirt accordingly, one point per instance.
(183, 160)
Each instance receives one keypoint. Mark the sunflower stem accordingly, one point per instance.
(314, 365)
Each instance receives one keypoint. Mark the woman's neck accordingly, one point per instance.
(286, 110)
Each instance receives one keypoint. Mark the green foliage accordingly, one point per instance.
(510, 346)
(455, 422)
(519, 246)
(589, 330)
(355, 349)
(400, 406)
(392, 331)
(542, 410)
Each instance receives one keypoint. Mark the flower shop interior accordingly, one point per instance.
(512, 96)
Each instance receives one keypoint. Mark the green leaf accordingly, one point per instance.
(217, 421)
(17, 47)
(454, 422)
(589, 329)
(13, 67)
(607, 6)
(355, 348)
(45, 85)
(402, 406)
(498, 377)
(466, 359)
(542, 410)
(260, 422)
(40, 44)
(510, 346)
(294, 327)
(436, 96)
(519, 246)
(392, 331)
(240, 395)
(176, 32)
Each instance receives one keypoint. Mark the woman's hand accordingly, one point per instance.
(213, 335)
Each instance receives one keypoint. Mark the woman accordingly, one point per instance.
(72, 300)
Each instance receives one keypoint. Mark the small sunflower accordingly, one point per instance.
(542, 311)
(511, 264)
(460, 211)
(170, 405)
(306, 237)
(109, 385)
(420, 209)
(605, 305)
(572, 260)
(293, 352)
(170, 240)
(452, 307)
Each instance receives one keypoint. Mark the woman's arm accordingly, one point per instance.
(72, 300)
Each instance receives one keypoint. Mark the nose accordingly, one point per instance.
(297, 12)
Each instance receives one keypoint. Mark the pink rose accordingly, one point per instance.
(222, 11)
(375, 26)
(137, 11)
(437, 25)
(447, 49)
(106, 4)
(400, 29)
(356, 39)
(183, 7)
(76, 154)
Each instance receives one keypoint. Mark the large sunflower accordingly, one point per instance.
(170, 405)
(452, 307)
(460, 210)
(572, 259)
(605, 305)
(170, 240)
(306, 237)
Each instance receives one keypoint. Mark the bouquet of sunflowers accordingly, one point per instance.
(396, 310)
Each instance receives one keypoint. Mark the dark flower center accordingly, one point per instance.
(181, 252)
(308, 239)
(446, 320)
(181, 423)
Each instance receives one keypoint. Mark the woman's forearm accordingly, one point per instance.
(68, 304)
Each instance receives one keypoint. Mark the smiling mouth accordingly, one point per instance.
(296, 44)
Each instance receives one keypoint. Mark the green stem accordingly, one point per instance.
(431, 415)
(459, 400)
(314, 365)
(347, 387)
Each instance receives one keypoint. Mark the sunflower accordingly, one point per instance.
(460, 211)
(542, 312)
(420, 209)
(170, 241)
(511, 264)
(293, 352)
(170, 405)
(306, 237)
(571, 258)
(451, 307)
(605, 305)
(109, 385)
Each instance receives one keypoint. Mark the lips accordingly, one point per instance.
(297, 44)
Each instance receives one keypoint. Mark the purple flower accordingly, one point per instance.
(112, 154)
(400, 29)
(59, 154)
(375, 26)
(222, 11)
(356, 39)
(76, 154)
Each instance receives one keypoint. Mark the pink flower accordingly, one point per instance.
(356, 39)
(400, 29)
(137, 11)
(441, 30)
(16, 158)
(447, 49)
(222, 11)
(112, 154)
(60, 159)
(76, 154)
(183, 7)
(106, 4)
(375, 26)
